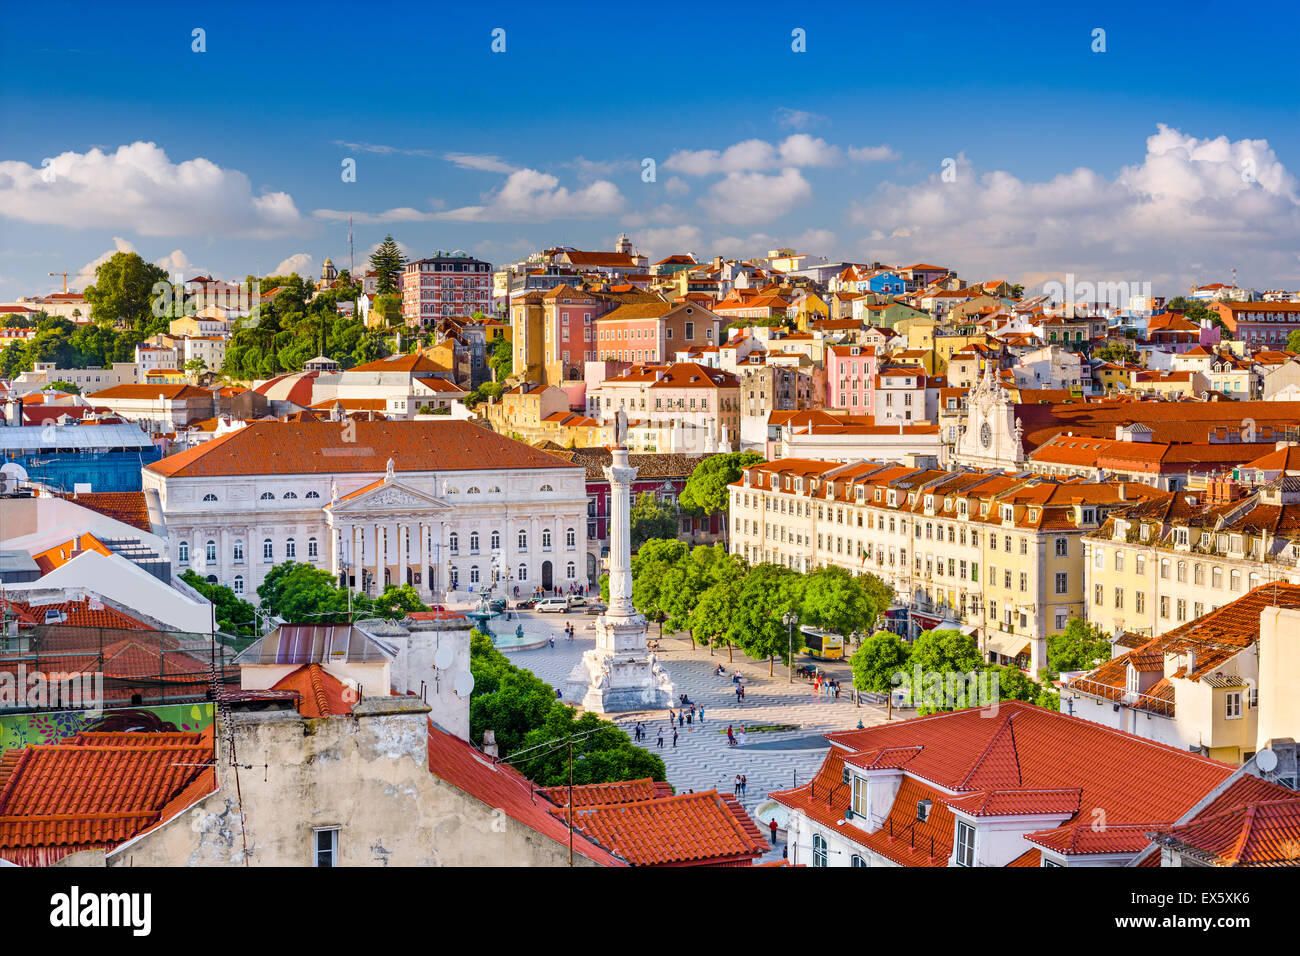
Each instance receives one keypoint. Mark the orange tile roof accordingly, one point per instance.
(595, 794)
(412, 363)
(302, 448)
(1253, 824)
(322, 694)
(96, 791)
(151, 392)
(686, 829)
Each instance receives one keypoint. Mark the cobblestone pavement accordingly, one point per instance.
(702, 759)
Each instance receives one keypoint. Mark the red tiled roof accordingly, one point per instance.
(686, 829)
(298, 448)
(128, 507)
(502, 787)
(322, 694)
(1032, 857)
(595, 794)
(96, 791)
(1252, 824)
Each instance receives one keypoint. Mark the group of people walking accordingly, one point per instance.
(826, 686)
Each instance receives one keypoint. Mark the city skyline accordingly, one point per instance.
(1032, 156)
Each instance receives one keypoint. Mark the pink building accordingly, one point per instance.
(444, 285)
(850, 371)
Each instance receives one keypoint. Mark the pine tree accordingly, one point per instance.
(387, 262)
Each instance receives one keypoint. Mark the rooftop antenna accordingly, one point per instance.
(351, 265)
(1234, 277)
(64, 273)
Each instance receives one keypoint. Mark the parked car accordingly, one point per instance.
(596, 607)
(525, 605)
(576, 600)
(553, 604)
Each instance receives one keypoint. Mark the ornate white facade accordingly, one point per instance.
(992, 436)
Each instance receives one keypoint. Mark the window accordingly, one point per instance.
(209, 497)
(183, 552)
(326, 841)
(473, 574)
(570, 539)
(289, 494)
(312, 494)
(1232, 705)
(473, 542)
(547, 488)
(570, 571)
(546, 539)
(496, 540)
(1234, 580)
(239, 584)
(857, 861)
(266, 496)
(523, 540)
(239, 551)
(1140, 601)
(210, 552)
(523, 572)
(453, 543)
(964, 844)
(268, 550)
(313, 549)
(290, 549)
(455, 579)
(1062, 582)
(859, 796)
(819, 850)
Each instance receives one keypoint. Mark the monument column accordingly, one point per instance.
(621, 475)
(403, 543)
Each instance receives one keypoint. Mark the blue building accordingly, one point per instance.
(105, 457)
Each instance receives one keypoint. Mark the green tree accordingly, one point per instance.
(62, 386)
(838, 601)
(649, 565)
(500, 360)
(389, 306)
(123, 290)
(1080, 647)
(711, 619)
(196, 366)
(234, 615)
(685, 583)
(877, 660)
(707, 490)
(942, 655)
(652, 517)
(1293, 342)
(398, 599)
(387, 261)
(767, 593)
(302, 594)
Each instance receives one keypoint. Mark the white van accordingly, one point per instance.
(553, 604)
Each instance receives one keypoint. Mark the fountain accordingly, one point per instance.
(518, 641)
(482, 614)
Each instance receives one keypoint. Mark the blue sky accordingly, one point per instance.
(1125, 164)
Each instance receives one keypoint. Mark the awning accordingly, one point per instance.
(1008, 645)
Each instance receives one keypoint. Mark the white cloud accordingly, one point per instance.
(397, 214)
(300, 262)
(676, 186)
(480, 161)
(530, 195)
(86, 274)
(871, 154)
(742, 198)
(814, 242)
(660, 243)
(753, 155)
(140, 189)
(798, 119)
(1189, 201)
(589, 169)
(174, 262)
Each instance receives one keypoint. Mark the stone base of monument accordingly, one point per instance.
(620, 674)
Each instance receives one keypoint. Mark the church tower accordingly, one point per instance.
(992, 436)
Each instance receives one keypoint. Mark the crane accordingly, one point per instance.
(64, 273)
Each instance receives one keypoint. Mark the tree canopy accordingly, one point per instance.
(387, 261)
(123, 290)
(1080, 647)
(877, 660)
(652, 517)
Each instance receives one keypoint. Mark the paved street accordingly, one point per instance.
(702, 758)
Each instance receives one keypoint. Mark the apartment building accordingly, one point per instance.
(997, 556)
(1181, 555)
(680, 408)
(452, 283)
(850, 374)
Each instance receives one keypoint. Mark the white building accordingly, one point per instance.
(446, 506)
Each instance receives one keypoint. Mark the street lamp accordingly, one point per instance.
(790, 619)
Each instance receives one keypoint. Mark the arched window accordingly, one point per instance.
(1253, 580)
(819, 850)
(313, 549)
(523, 572)
(239, 584)
(1234, 580)
(266, 496)
(290, 494)
(547, 488)
(453, 491)
(212, 579)
(570, 539)
(570, 571)
(455, 579)
(495, 489)
(473, 490)
(473, 574)
(1182, 571)
(496, 540)
(239, 551)
(268, 550)
(453, 543)
(210, 552)
(546, 539)
(473, 542)
(209, 497)
(1216, 578)
(290, 549)
(523, 540)
(312, 494)
(183, 552)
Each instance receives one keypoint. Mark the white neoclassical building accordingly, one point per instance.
(444, 506)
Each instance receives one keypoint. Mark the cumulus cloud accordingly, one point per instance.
(1189, 202)
(531, 195)
(871, 154)
(174, 262)
(139, 188)
(753, 155)
(744, 198)
(676, 186)
(396, 214)
(86, 274)
(300, 262)
(660, 243)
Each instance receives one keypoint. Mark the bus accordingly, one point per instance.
(823, 645)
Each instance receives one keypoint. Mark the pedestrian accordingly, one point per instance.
(738, 695)
(742, 693)
(736, 786)
(681, 718)
(661, 738)
(772, 829)
(742, 735)
(731, 738)
(701, 713)
(671, 717)
(744, 782)
(674, 738)
(837, 690)
(689, 715)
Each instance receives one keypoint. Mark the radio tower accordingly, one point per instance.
(351, 265)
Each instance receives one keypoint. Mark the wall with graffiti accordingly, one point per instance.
(21, 730)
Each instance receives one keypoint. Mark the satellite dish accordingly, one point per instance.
(1266, 761)
(443, 657)
(462, 683)
(14, 470)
